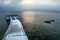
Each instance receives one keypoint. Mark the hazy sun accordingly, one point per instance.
(27, 2)
(38, 2)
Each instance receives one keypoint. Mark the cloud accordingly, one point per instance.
(27, 2)
(0, 1)
(48, 2)
(35, 2)
(32, 4)
(40, 2)
(7, 2)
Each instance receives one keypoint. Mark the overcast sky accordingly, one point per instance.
(30, 4)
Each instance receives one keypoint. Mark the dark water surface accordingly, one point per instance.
(34, 25)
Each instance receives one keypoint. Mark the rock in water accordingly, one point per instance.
(52, 20)
(47, 22)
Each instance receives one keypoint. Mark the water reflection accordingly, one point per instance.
(28, 17)
(36, 28)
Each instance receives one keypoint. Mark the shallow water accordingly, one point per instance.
(34, 25)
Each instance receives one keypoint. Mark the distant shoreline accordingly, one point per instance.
(33, 11)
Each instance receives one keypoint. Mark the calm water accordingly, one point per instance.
(34, 25)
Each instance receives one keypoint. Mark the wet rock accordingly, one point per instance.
(52, 20)
(47, 22)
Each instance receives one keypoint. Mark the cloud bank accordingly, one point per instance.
(18, 5)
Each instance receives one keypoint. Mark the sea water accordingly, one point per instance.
(34, 26)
